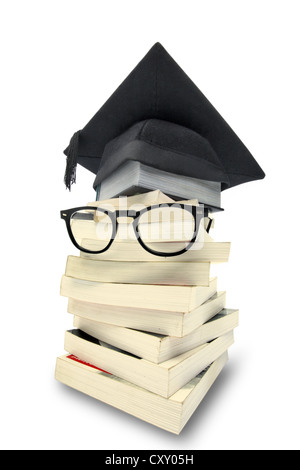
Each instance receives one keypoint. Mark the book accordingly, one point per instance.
(135, 177)
(136, 272)
(137, 201)
(172, 298)
(155, 347)
(163, 379)
(170, 414)
(130, 250)
(172, 323)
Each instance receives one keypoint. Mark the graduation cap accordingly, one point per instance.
(159, 117)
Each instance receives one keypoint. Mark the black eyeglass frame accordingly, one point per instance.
(198, 213)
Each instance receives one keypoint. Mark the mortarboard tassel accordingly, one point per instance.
(72, 155)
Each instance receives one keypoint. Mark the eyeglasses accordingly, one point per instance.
(173, 228)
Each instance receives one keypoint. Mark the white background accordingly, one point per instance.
(60, 61)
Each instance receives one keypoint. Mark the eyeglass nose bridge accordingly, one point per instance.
(126, 214)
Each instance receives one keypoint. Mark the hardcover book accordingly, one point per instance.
(133, 177)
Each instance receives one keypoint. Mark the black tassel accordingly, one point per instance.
(72, 156)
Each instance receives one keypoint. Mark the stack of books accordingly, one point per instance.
(150, 335)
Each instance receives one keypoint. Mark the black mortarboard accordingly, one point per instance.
(159, 117)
